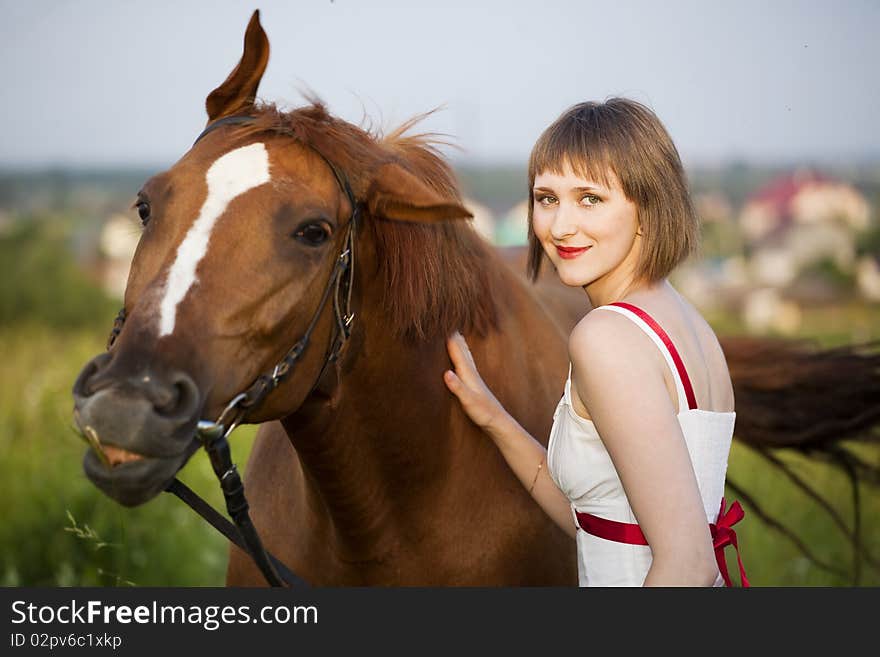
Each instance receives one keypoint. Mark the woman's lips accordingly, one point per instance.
(568, 252)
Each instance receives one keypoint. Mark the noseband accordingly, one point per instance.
(213, 434)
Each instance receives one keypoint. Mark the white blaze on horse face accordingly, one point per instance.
(230, 176)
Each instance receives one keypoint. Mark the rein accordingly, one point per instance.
(213, 434)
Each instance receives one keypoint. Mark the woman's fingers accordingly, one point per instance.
(456, 351)
(464, 380)
(461, 357)
(466, 384)
(473, 404)
(453, 383)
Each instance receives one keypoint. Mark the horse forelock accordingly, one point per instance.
(433, 278)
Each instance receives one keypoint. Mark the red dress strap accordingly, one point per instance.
(721, 530)
(679, 364)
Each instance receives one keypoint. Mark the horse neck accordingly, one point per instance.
(374, 454)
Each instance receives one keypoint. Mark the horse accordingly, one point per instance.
(365, 470)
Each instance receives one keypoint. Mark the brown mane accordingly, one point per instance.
(434, 277)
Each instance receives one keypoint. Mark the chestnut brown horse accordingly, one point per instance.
(365, 471)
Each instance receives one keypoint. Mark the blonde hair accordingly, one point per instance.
(627, 138)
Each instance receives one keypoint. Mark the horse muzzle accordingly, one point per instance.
(140, 428)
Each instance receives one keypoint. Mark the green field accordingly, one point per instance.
(58, 530)
(160, 543)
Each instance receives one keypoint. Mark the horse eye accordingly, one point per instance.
(313, 234)
(143, 209)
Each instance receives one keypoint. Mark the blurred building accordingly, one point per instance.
(513, 228)
(799, 220)
(713, 207)
(484, 220)
(800, 235)
(117, 243)
(868, 277)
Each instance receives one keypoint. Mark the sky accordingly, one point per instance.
(107, 83)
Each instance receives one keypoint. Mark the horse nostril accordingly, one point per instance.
(164, 399)
(180, 399)
(89, 382)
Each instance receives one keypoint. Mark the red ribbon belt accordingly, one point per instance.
(722, 535)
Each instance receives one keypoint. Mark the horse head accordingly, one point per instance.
(239, 259)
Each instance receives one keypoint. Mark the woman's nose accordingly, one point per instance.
(563, 225)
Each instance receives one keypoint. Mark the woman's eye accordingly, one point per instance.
(590, 199)
(143, 210)
(312, 234)
(546, 201)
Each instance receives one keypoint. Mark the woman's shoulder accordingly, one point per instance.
(694, 340)
(614, 362)
(608, 338)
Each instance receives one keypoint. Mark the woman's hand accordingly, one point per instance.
(465, 383)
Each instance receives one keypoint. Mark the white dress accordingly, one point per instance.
(582, 469)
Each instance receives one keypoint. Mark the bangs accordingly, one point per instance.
(576, 141)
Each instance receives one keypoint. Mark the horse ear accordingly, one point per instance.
(395, 193)
(239, 90)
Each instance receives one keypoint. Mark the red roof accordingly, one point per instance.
(779, 192)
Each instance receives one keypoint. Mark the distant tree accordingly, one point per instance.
(40, 282)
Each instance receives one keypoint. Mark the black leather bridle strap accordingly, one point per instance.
(214, 434)
(266, 383)
(229, 530)
(226, 120)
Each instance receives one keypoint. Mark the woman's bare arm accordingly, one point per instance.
(525, 455)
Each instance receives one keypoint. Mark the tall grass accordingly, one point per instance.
(773, 560)
(46, 492)
(56, 528)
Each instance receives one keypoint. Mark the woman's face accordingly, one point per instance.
(587, 229)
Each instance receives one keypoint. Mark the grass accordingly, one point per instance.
(771, 559)
(59, 530)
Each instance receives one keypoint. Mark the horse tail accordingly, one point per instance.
(820, 402)
(791, 394)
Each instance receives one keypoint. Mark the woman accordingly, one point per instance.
(637, 455)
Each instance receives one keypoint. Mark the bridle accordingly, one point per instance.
(213, 434)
